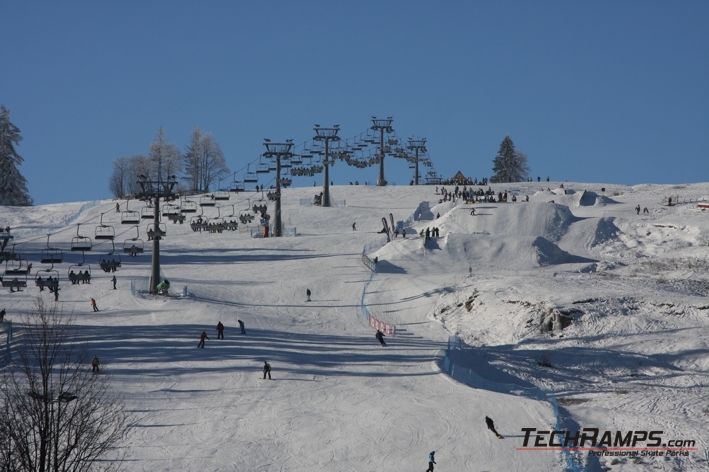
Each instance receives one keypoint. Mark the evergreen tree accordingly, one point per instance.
(509, 165)
(13, 186)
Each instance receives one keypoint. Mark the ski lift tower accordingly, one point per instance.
(417, 145)
(383, 126)
(153, 190)
(327, 135)
(278, 151)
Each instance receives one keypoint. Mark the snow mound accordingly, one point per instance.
(606, 231)
(549, 220)
(548, 253)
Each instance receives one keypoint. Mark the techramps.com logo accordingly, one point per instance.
(607, 443)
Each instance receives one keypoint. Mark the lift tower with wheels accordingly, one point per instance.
(154, 190)
(383, 126)
(279, 152)
(327, 135)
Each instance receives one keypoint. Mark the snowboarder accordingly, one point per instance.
(202, 337)
(380, 338)
(93, 305)
(354, 226)
(114, 282)
(266, 370)
(94, 365)
(491, 426)
(220, 330)
(307, 292)
(472, 212)
(241, 325)
(431, 461)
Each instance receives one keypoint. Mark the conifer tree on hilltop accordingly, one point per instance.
(509, 165)
(13, 186)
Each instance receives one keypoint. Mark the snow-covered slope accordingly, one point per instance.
(634, 355)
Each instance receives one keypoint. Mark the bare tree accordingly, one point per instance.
(204, 161)
(139, 165)
(55, 415)
(165, 159)
(118, 182)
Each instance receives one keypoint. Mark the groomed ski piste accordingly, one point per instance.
(632, 290)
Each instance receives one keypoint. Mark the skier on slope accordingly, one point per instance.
(202, 337)
(380, 338)
(307, 292)
(266, 370)
(431, 461)
(491, 426)
(220, 330)
(95, 364)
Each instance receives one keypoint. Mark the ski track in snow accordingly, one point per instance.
(635, 355)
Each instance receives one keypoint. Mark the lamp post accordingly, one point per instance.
(152, 190)
(326, 135)
(278, 151)
(417, 145)
(383, 126)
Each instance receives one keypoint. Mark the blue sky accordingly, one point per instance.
(601, 91)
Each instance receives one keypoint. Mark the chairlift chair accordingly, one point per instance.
(222, 195)
(15, 277)
(170, 209)
(250, 177)
(133, 246)
(157, 232)
(297, 159)
(207, 201)
(110, 262)
(79, 273)
(16, 266)
(51, 255)
(79, 242)
(188, 206)
(50, 280)
(237, 186)
(104, 232)
(262, 168)
(147, 213)
(130, 217)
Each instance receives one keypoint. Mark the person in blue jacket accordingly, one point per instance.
(431, 461)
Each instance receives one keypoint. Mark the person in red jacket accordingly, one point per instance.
(202, 337)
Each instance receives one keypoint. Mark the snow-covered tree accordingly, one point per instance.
(509, 165)
(204, 161)
(164, 157)
(13, 186)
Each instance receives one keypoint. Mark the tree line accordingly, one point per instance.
(201, 165)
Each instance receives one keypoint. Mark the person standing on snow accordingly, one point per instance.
(637, 209)
(220, 330)
(202, 337)
(114, 282)
(93, 305)
(241, 325)
(266, 370)
(94, 365)
(380, 338)
(491, 427)
(431, 461)
(307, 292)
(354, 226)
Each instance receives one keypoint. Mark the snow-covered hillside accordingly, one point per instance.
(631, 290)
